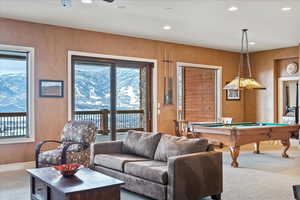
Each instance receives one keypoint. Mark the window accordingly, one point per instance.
(114, 94)
(16, 94)
(198, 93)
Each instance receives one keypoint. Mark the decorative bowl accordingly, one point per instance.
(68, 170)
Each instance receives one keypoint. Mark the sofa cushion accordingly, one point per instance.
(141, 143)
(150, 170)
(174, 146)
(116, 161)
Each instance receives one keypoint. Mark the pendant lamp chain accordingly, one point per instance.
(241, 56)
(247, 52)
(244, 40)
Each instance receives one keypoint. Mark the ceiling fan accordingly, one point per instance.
(68, 3)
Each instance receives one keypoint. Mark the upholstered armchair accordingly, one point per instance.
(74, 146)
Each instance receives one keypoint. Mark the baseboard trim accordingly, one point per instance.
(17, 166)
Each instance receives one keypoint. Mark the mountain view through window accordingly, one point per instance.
(92, 88)
(13, 94)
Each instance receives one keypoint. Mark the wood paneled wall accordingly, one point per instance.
(260, 105)
(51, 45)
(199, 94)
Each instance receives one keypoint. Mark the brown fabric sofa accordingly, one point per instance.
(162, 167)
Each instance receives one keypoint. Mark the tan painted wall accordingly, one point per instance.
(260, 105)
(51, 44)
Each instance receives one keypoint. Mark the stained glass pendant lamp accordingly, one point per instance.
(244, 82)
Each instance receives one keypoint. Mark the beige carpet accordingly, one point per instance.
(260, 177)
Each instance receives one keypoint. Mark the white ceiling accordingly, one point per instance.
(205, 23)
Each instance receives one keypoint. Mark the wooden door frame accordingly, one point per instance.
(96, 55)
(281, 80)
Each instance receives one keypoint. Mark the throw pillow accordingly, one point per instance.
(141, 143)
(174, 146)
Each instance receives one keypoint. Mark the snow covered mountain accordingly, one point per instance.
(13, 92)
(92, 90)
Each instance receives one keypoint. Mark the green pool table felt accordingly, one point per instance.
(240, 125)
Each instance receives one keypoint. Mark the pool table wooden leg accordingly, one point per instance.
(286, 145)
(234, 151)
(256, 148)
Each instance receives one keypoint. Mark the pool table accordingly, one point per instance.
(236, 134)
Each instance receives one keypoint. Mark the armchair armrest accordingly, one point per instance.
(105, 148)
(38, 149)
(194, 176)
(65, 149)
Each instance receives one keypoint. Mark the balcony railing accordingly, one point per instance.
(126, 119)
(13, 125)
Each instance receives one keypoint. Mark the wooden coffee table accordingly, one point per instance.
(48, 184)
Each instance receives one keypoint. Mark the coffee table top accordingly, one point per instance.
(84, 179)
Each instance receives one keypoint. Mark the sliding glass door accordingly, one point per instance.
(114, 94)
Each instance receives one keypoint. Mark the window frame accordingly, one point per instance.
(30, 95)
(114, 64)
(155, 104)
(218, 89)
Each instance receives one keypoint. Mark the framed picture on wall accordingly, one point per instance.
(233, 95)
(52, 88)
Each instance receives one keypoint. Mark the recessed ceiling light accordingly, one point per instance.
(252, 43)
(86, 1)
(167, 27)
(286, 8)
(233, 8)
(121, 6)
